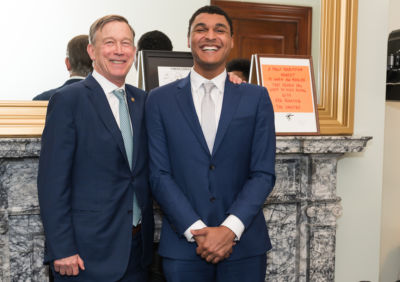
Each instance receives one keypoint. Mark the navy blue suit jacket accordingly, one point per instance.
(85, 184)
(189, 183)
(45, 96)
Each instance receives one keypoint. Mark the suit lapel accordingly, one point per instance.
(135, 111)
(231, 100)
(185, 102)
(100, 103)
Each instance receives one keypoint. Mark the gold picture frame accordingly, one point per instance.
(337, 66)
(22, 118)
(337, 79)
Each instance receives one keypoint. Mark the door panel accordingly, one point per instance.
(267, 28)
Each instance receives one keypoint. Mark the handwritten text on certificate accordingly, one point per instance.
(290, 86)
(170, 74)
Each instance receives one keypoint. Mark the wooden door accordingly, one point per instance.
(268, 28)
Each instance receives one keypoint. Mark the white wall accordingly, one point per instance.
(390, 241)
(35, 35)
(360, 174)
(390, 236)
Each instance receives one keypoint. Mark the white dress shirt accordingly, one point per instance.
(217, 95)
(76, 77)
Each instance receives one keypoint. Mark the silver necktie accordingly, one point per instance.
(208, 123)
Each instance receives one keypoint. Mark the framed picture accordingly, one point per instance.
(290, 84)
(156, 68)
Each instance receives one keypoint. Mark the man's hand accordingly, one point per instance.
(214, 244)
(234, 78)
(69, 265)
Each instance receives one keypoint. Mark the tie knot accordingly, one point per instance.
(208, 86)
(119, 93)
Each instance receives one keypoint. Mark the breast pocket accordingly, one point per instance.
(240, 130)
(243, 120)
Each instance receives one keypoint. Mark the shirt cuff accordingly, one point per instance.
(234, 224)
(197, 225)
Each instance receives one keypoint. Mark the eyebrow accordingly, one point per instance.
(113, 38)
(216, 25)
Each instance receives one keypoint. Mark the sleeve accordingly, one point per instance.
(167, 193)
(234, 224)
(195, 226)
(261, 178)
(54, 179)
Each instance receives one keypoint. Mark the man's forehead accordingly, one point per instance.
(115, 32)
(206, 18)
(111, 23)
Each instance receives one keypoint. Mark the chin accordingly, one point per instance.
(210, 64)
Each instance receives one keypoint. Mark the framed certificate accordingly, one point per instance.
(290, 84)
(156, 68)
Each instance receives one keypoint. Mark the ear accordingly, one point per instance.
(188, 41)
(232, 39)
(67, 64)
(90, 50)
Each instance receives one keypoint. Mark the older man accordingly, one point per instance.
(93, 179)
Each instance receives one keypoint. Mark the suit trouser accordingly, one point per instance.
(250, 269)
(135, 272)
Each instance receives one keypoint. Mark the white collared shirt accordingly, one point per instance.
(76, 77)
(217, 95)
(108, 87)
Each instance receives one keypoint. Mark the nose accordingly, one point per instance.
(210, 34)
(118, 48)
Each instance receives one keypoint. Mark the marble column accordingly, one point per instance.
(301, 211)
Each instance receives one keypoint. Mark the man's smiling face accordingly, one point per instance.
(211, 42)
(113, 51)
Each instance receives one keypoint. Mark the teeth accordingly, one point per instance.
(117, 62)
(209, 48)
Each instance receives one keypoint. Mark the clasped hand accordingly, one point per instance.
(69, 265)
(214, 244)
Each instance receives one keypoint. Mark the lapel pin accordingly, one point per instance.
(133, 99)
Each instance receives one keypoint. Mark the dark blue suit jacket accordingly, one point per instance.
(190, 184)
(85, 184)
(45, 96)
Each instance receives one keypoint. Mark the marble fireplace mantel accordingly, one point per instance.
(301, 211)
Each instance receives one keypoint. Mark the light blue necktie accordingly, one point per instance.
(126, 130)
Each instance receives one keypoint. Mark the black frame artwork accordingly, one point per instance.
(150, 60)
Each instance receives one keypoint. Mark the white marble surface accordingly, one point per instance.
(301, 212)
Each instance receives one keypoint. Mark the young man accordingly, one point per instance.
(93, 178)
(212, 156)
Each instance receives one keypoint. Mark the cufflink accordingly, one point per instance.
(133, 99)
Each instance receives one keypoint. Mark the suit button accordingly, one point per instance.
(212, 199)
(212, 167)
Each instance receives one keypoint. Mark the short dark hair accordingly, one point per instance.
(210, 10)
(242, 65)
(101, 22)
(78, 57)
(154, 40)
